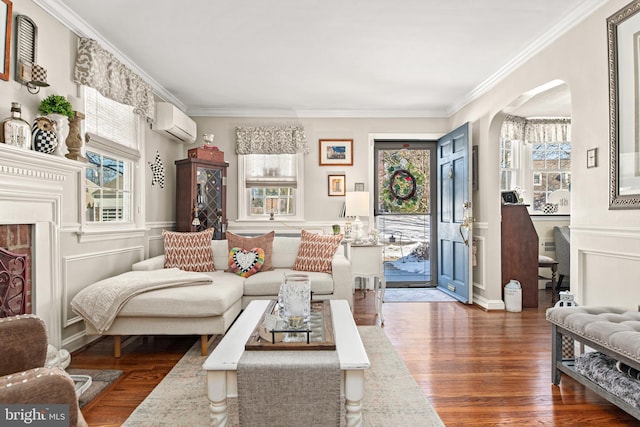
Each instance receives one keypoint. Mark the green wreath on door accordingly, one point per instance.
(402, 188)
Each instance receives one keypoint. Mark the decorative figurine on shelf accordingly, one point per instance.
(208, 138)
(74, 140)
(44, 136)
(58, 109)
(566, 300)
(15, 130)
(196, 216)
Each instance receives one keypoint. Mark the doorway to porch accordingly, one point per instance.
(404, 196)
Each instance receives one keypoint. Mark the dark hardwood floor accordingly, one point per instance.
(477, 368)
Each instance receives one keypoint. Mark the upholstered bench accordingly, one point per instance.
(614, 332)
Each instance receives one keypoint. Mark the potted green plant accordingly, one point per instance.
(56, 104)
(59, 111)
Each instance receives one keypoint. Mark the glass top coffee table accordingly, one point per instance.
(222, 364)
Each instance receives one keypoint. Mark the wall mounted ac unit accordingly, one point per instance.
(173, 123)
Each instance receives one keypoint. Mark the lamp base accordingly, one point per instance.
(357, 230)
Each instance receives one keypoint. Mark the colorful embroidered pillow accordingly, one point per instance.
(246, 263)
(265, 242)
(316, 252)
(188, 251)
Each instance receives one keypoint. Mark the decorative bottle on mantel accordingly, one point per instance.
(15, 130)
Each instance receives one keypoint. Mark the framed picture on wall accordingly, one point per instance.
(6, 8)
(337, 185)
(336, 152)
(623, 41)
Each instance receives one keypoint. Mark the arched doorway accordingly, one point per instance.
(535, 162)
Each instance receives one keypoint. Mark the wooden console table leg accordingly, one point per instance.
(353, 395)
(217, 393)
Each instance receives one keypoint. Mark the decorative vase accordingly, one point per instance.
(15, 130)
(61, 128)
(296, 300)
(43, 136)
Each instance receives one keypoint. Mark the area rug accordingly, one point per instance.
(416, 295)
(392, 396)
(101, 379)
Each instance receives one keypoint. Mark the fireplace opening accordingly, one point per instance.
(15, 269)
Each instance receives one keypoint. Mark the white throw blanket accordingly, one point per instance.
(101, 302)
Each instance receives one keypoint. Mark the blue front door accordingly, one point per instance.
(454, 214)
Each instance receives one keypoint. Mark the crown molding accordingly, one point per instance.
(565, 25)
(317, 114)
(77, 25)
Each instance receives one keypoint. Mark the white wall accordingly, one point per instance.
(605, 244)
(320, 210)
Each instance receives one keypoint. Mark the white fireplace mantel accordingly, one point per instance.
(34, 188)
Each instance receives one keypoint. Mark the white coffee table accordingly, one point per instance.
(222, 364)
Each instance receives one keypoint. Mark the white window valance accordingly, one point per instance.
(99, 69)
(536, 130)
(271, 140)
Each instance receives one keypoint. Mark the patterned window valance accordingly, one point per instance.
(99, 69)
(271, 140)
(536, 130)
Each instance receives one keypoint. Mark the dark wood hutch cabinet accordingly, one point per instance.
(520, 252)
(201, 184)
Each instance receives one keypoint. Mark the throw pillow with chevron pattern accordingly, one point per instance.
(188, 251)
(316, 252)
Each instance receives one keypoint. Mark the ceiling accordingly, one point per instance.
(329, 58)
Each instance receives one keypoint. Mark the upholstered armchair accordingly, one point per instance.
(23, 377)
(562, 237)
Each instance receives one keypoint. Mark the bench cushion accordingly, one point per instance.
(188, 301)
(614, 328)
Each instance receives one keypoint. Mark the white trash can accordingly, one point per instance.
(513, 296)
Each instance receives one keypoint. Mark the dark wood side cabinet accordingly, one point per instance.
(520, 252)
(202, 184)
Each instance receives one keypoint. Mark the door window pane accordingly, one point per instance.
(403, 216)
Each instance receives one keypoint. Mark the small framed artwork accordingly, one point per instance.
(336, 152)
(337, 185)
(592, 158)
(358, 186)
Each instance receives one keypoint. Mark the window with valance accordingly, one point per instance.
(536, 161)
(99, 69)
(271, 168)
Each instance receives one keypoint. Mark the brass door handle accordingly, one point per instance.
(464, 224)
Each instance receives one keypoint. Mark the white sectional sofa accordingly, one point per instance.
(210, 309)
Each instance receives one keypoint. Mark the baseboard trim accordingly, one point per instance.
(487, 304)
(78, 341)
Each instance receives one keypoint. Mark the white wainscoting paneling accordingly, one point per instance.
(608, 278)
(80, 271)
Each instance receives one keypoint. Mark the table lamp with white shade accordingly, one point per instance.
(357, 205)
